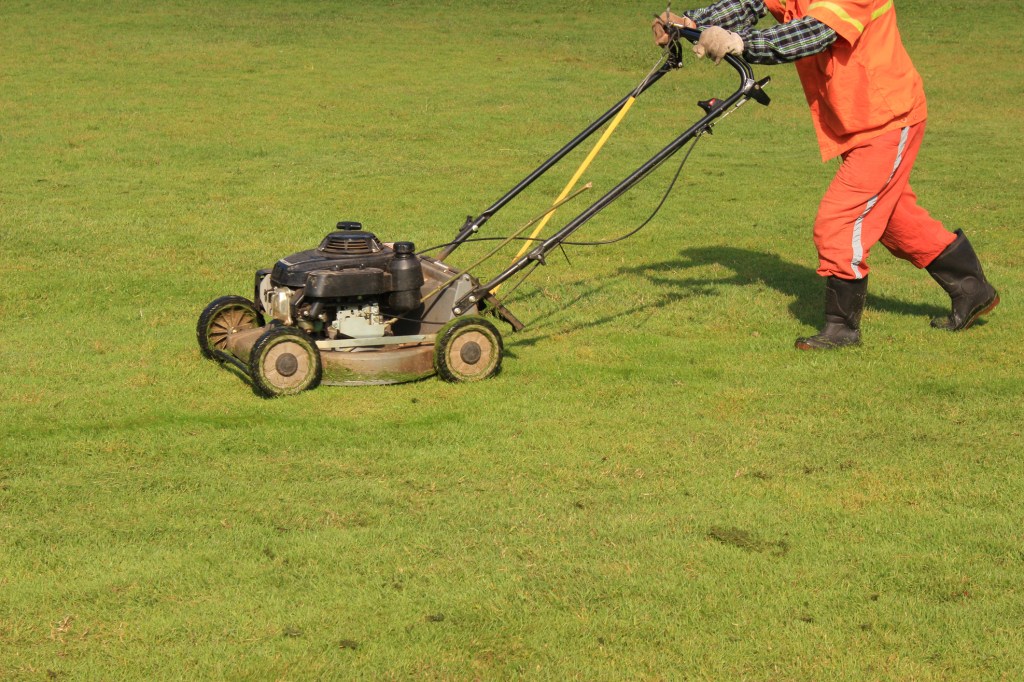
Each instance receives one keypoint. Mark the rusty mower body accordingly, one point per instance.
(351, 312)
(357, 310)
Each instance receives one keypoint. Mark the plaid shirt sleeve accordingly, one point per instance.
(732, 15)
(787, 42)
(779, 44)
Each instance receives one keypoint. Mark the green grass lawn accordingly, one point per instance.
(657, 486)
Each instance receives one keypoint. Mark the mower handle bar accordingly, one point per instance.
(472, 225)
(672, 61)
(748, 89)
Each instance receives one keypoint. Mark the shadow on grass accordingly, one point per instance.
(801, 284)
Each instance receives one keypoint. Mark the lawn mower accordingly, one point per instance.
(357, 310)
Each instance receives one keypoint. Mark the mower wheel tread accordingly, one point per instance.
(219, 318)
(468, 349)
(284, 361)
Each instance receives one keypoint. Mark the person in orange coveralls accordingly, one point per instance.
(868, 106)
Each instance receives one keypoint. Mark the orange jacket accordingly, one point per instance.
(864, 84)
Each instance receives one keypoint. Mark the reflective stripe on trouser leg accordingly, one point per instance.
(858, 225)
(856, 209)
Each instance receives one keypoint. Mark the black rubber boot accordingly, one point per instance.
(844, 303)
(958, 271)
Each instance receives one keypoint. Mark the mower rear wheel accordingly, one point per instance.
(284, 361)
(223, 317)
(468, 349)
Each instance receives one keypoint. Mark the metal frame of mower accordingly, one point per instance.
(447, 335)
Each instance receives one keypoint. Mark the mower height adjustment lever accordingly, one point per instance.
(710, 105)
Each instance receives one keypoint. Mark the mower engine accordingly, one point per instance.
(348, 287)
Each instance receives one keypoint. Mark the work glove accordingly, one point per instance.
(661, 36)
(716, 42)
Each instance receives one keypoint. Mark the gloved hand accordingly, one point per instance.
(716, 42)
(661, 36)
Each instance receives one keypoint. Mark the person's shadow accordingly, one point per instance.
(802, 284)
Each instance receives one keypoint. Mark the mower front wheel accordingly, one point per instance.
(284, 361)
(468, 349)
(222, 318)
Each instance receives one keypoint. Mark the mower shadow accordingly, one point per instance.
(802, 284)
(540, 320)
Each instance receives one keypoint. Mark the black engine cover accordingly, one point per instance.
(341, 250)
(350, 262)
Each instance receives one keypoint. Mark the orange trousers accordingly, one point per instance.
(870, 201)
